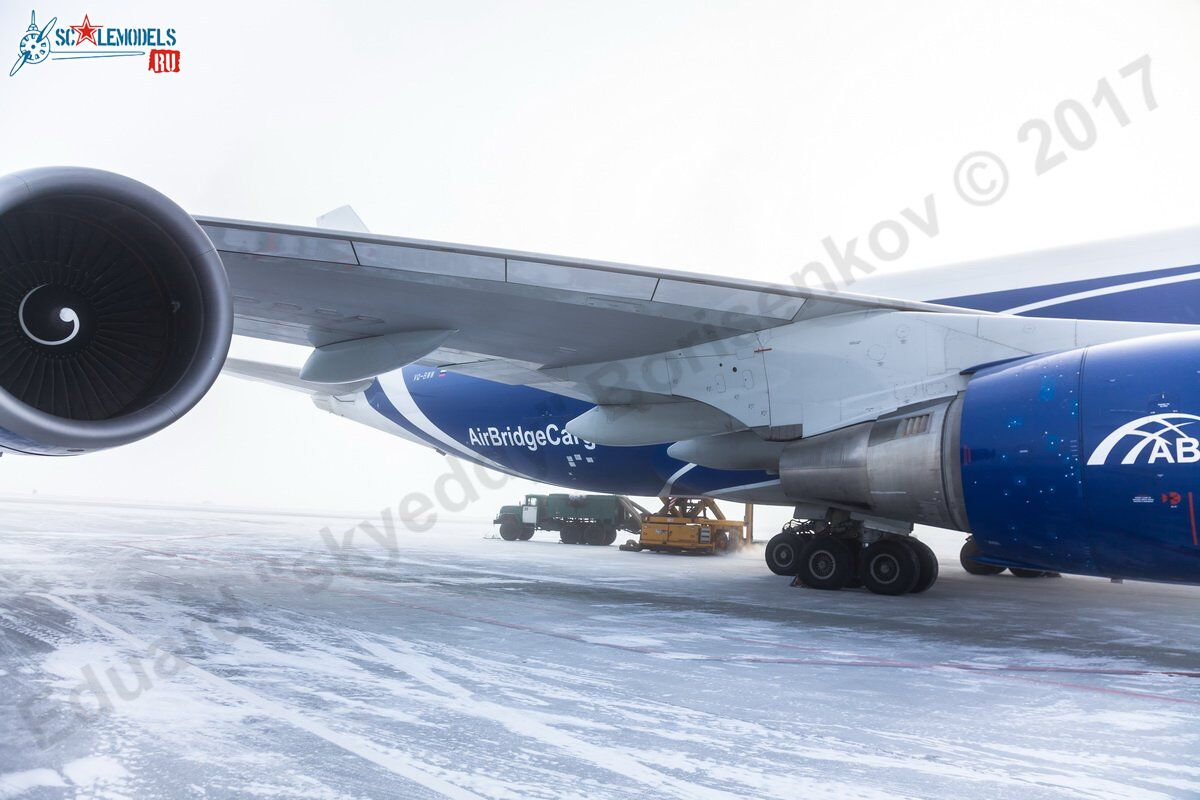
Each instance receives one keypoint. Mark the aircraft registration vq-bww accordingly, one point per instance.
(1046, 404)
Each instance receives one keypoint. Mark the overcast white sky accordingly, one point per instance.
(728, 138)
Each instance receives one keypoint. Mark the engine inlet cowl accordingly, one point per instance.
(115, 312)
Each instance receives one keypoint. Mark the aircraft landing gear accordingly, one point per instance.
(891, 567)
(783, 550)
(967, 556)
(826, 562)
(969, 552)
(929, 565)
(830, 554)
(1033, 573)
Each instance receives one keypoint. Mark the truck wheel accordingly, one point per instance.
(720, 542)
(825, 563)
(526, 533)
(510, 530)
(783, 553)
(569, 533)
(890, 567)
(967, 556)
(610, 536)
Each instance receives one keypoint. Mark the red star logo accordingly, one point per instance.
(86, 32)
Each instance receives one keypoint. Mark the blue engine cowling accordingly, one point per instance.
(1088, 461)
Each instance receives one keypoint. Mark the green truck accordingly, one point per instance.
(577, 518)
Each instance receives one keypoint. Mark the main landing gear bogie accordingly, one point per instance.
(833, 556)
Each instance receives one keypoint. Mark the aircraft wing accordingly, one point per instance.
(661, 355)
(508, 315)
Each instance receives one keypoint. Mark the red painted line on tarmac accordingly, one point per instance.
(967, 666)
(1192, 517)
(1109, 690)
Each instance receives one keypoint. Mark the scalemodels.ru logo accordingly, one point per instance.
(52, 42)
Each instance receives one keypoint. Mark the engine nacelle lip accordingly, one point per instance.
(57, 434)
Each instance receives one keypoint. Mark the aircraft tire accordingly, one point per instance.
(890, 567)
(720, 542)
(929, 565)
(1027, 573)
(856, 551)
(783, 553)
(825, 562)
(967, 555)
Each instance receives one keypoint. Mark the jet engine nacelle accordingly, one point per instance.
(899, 467)
(1084, 461)
(115, 312)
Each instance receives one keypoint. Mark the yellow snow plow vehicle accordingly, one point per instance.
(692, 525)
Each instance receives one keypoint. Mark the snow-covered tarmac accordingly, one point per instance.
(149, 653)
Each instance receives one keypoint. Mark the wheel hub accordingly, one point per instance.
(822, 564)
(885, 569)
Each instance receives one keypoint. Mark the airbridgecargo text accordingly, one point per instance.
(529, 439)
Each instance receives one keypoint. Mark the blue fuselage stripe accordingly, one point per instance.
(1175, 302)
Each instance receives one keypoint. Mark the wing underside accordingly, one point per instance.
(779, 360)
(513, 315)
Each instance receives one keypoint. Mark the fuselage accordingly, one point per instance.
(522, 431)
